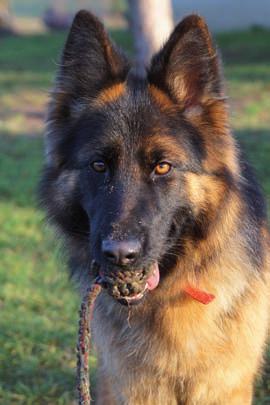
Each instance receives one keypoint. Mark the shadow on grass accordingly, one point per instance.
(249, 46)
(32, 60)
(246, 54)
(256, 144)
(20, 165)
(248, 72)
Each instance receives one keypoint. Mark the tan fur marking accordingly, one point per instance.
(204, 191)
(212, 124)
(110, 94)
(163, 101)
(170, 146)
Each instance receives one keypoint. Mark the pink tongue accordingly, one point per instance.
(153, 280)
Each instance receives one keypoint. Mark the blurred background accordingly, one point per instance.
(38, 306)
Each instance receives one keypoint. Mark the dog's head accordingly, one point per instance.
(136, 165)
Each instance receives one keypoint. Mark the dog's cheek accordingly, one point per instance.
(60, 195)
(164, 222)
(204, 192)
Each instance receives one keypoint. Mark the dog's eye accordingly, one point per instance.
(162, 168)
(99, 166)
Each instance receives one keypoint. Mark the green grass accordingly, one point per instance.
(38, 305)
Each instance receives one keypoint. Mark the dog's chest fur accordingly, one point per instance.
(161, 356)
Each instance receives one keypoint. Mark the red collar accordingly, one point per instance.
(202, 296)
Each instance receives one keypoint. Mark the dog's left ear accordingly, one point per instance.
(188, 66)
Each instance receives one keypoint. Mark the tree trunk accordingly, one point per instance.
(5, 17)
(151, 23)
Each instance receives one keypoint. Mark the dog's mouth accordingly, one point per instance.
(130, 287)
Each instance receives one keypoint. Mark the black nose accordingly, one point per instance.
(122, 253)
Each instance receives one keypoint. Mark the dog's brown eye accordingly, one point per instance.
(162, 168)
(99, 166)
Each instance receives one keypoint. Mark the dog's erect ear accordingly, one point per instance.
(90, 61)
(188, 66)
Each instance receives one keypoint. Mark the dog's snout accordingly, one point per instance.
(121, 253)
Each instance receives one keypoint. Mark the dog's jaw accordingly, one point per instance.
(150, 283)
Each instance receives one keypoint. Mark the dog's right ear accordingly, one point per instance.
(90, 61)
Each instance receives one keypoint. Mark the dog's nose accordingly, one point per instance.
(122, 253)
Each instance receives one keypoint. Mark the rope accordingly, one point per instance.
(84, 343)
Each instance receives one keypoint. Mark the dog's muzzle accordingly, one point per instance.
(129, 287)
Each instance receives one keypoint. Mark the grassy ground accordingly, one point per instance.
(38, 306)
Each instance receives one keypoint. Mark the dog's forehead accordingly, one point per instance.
(136, 118)
(136, 115)
(135, 111)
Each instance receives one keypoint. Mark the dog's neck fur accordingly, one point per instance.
(182, 328)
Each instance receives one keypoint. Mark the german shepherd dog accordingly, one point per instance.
(143, 176)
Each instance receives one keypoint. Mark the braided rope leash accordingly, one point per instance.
(84, 343)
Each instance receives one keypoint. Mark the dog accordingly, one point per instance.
(144, 177)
